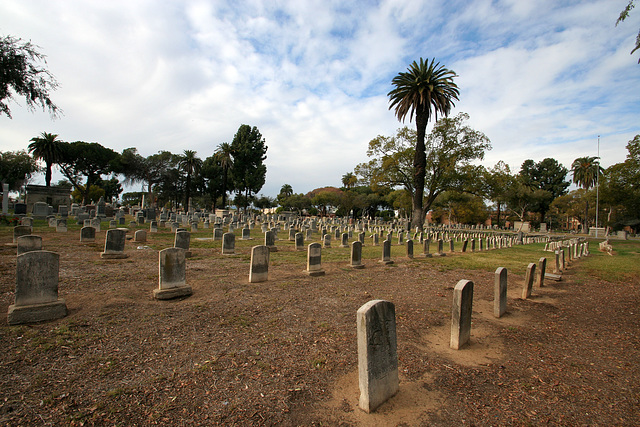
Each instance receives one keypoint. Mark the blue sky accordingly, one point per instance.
(539, 78)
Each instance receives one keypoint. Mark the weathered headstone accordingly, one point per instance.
(20, 230)
(61, 226)
(172, 275)
(259, 270)
(386, 252)
(87, 234)
(228, 243)
(345, 240)
(153, 227)
(29, 243)
(36, 297)
(410, 249)
(114, 244)
(326, 240)
(356, 255)
(299, 242)
(542, 267)
(246, 233)
(217, 233)
(140, 236)
(461, 314)
(377, 354)
(314, 260)
(183, 240)
(500, 292)
(270, 241)
(528, 280)
(426, 243)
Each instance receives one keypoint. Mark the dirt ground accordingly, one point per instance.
(283, 352)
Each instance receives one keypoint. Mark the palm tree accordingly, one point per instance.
(349, 180)
(425, 90)
(224, 154)
(190, 164)
(585, 172)
(46, 147)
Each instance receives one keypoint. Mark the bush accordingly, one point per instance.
(11, 220)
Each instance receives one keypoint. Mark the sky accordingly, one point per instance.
(541, 78)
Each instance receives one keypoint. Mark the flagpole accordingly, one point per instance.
(598, 186)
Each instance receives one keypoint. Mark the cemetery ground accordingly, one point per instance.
(283, 352)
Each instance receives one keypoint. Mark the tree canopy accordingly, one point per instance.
(24, 73)
(16, 167)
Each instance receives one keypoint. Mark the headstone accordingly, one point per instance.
(19, 208)
(461, 314)
(20, 230)
(87, 234)
(172, 275)
(326, 240)
(246, 234)
(40, 210)
(345, 240)
(500, 292)
(182, 240)
(542, 267)
(36, 296)
(61, 226)
(259, 270)
(113, 224)
(425, 247)
(121, 220)
(410, 249)
(114, 244)
(29, 243)
(361, 237)
(217, 233)
(299, 242)
(153, 227)
(356, 255)
(377, 354)
(228, 243)
(270, 241)
(528, 280)
(26, 221)
(140, 236)
(386, 252)
(314, 260)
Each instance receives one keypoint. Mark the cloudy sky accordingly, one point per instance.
(541, 78)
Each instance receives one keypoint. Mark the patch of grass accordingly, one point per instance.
(622, 266)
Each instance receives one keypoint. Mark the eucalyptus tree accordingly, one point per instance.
(585, 172)
(425, 90)
(48, 148)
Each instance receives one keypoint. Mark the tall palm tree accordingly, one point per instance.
(224, 154)
(190, 164)
(46, 147)
(585, 172)
(425, 90)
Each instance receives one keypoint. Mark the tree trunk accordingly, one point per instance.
(47, 175)
(419, 171)
(498, 214)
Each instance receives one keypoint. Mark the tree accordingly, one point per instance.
(264, 202)
(21, 74)
(48, 148)
(190, 164)
(496, 182)
(547, 175)
(248, 170)
(425, 90)
(349, 180)
(585, 172)
(460, 208)
(286, 191)
(212, 175)
(224, 155)
(521, 197)
(624, 15)
(16, 167)
(91, 159)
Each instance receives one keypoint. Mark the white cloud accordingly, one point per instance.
(540, 79)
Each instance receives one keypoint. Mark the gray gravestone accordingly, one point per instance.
(259, 270)
(500, 292)
(314, 260)
(410, 249)
(36, 297)
(228, 243)
(377, 354)
(345, 240)
(386, 252)
(461, 314)
(114, 244)
(542, 267)
(299, 242)
(356, 255)
(246, 233)
(171, 275)
(140, 236)
(425, 247)
(528, 280)
(270, 241)
(61, 226)
(29, 243)
(87, 234)
(20, 230)
(183, 240)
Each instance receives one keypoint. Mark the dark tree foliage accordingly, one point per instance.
(248, 170)
(86, 159)
(16, 167)
(211, 179)
(48, 148)
(624, 15)
(547, 175)
(21, 74)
